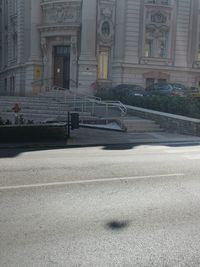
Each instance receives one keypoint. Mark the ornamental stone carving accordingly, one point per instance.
(158, 17)
(105, 22)
(61, 12)
(106, 32)
(107, 12)
(44, 47)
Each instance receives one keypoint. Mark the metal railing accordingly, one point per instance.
(84, 103)
(93, 103)
(89, 103)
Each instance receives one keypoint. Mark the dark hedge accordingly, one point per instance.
(185, 106)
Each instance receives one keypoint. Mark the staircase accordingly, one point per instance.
(38, 109)
(54, 105)
(138, 125)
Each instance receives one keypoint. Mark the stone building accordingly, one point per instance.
(79, 44)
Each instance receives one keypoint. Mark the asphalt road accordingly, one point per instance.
(100, 206)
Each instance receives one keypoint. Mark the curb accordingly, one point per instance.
(63, 146)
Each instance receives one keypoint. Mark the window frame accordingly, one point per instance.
(103, 74)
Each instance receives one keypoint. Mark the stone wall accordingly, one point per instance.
(170, 122)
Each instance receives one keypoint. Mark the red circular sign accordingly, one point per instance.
(16, 108)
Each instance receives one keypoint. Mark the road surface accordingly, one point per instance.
(100, 206)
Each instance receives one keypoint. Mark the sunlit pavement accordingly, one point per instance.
(125, 205)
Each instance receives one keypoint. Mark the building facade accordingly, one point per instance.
(81, 44)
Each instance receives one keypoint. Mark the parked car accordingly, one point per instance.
(127, 90)
(179, 90)
(168, 89)
(194, 91)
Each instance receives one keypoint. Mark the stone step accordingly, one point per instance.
(144, 129)
(36, 107)
(43, 117)
(37, 102)
(45, 111)
(140, 125)
(23, 98)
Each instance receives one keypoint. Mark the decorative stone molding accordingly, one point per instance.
(61, 12)
(159, 2)
(58, 30)
(156, 61)
(106, 32)
(74, 50)
(158, 17)
(105, 29)
(106, 12)
(44, 47)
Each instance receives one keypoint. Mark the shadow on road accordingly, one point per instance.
(9, 152)
(117, 225)
(119, 147)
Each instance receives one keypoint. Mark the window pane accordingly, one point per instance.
(103, 64)
(149, 48)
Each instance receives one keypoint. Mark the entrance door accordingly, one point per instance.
(62, 66)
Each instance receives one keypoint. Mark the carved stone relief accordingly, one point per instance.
(44, 47)
(105, 23)
(61, 13)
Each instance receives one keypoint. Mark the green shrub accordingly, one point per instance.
(184, 106)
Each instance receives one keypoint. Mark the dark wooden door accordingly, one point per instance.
(66, 71)
(62, 67)
(58, 71)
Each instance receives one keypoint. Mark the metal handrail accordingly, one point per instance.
(108, 104)
(83, 100)
(120, 105)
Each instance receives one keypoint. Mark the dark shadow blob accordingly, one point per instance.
(117, 225)
(119, 146)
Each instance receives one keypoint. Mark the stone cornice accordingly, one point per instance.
(57, 28)
(155, 67)
(57, 2)
(17, 66)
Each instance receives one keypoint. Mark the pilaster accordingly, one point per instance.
(21, 33)
(36, 19)
(87, 60)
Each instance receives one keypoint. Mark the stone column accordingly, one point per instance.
(20, 32)
(21, 46)
(34, 66)
(73, 64)
(36, 16)
(118, 59)
(120, 31)
(87, 60)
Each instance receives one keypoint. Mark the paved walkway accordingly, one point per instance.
(91, 137)
(84, 136)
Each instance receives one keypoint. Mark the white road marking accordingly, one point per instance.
(90, 181)
(192, 157)
(177, 151)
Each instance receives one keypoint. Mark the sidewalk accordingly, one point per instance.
(94, 137)
(84, 137)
